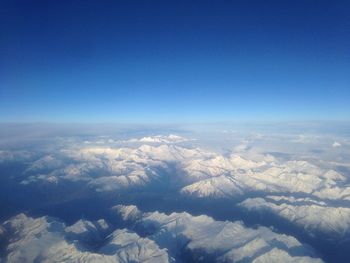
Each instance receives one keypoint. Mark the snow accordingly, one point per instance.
(199, 173)
(46, 239)
(311, 215)
(225, 240)
(130, 212)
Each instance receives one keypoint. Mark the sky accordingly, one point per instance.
(164, 61)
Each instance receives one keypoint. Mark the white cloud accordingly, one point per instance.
(156, 139)
(16, 155)
(336, 144)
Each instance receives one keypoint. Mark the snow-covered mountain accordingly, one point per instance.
(169, 172)
(312, 215)
(165, 238)
(289, 177)
(208, 240)
(201, 173)
(47, 239)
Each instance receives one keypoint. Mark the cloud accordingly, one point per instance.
(156, 139)
(336, 144)
(15, 156)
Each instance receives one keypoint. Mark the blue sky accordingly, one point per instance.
(163, 61)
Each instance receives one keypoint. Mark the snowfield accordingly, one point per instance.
(165, 237)
(254, 198)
